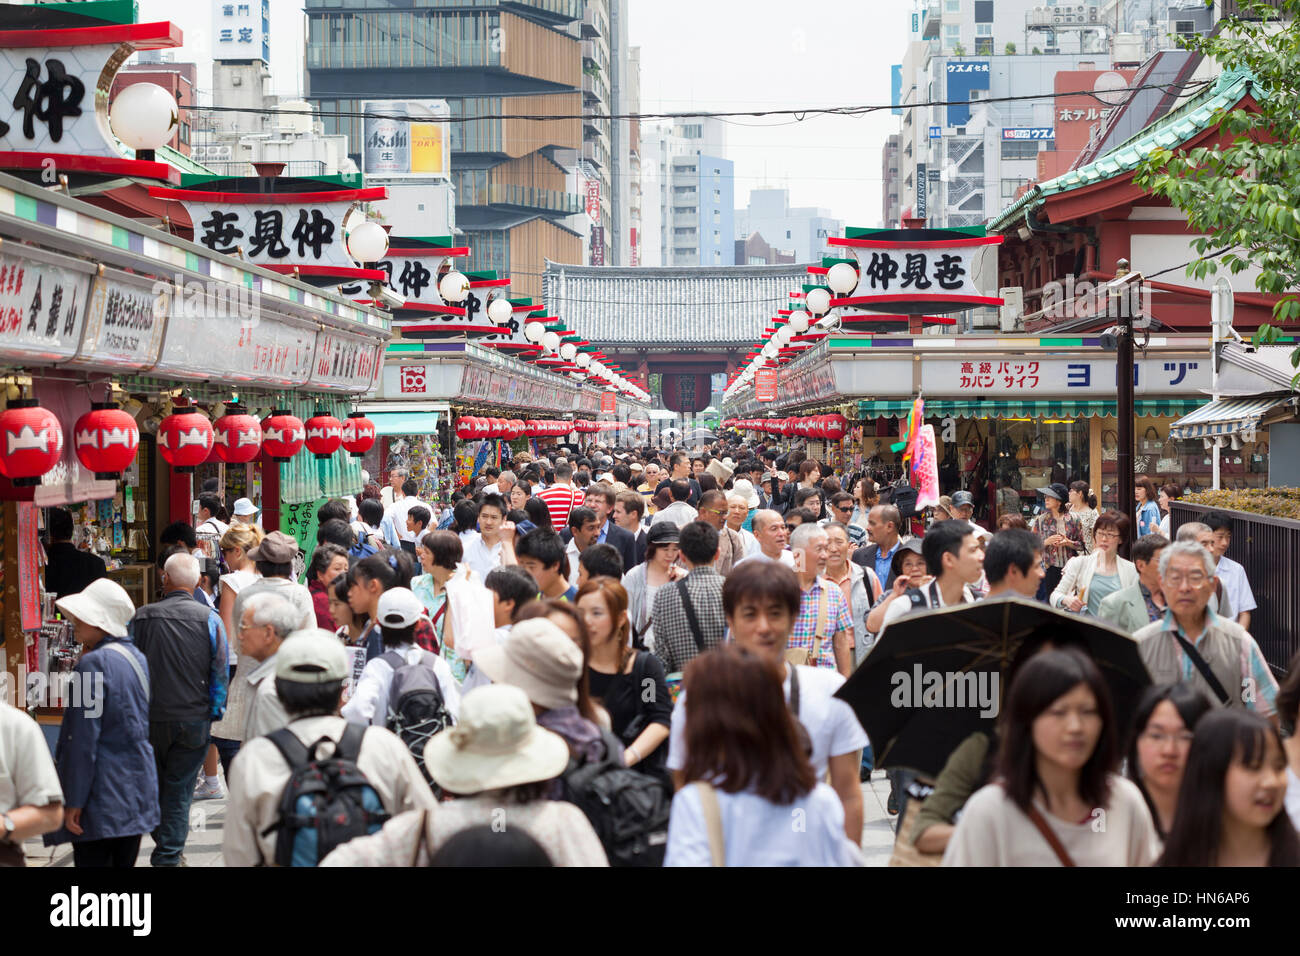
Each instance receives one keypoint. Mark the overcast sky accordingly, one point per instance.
(716, 55)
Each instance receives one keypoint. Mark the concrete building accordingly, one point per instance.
(754, 250)
(802, 229)
(633, 243)
(516, 181)
(695, 185)
(890, 208)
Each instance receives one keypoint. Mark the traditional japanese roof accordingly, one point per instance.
(677, 308)
(1178, 126)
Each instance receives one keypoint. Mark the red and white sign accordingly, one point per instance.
(414, 378)
(765, 385)
(607, 403)
(593, 200)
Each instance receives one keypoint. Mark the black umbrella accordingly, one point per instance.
(936, 677)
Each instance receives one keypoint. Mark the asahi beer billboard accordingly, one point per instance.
(406, 138)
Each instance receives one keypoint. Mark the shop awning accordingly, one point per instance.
(1228, 416)
(404, 423)
(1035, 408)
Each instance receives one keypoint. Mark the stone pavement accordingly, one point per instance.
(203, 848)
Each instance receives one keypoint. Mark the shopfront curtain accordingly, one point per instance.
(303, 478)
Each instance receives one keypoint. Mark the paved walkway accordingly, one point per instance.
(203, 848)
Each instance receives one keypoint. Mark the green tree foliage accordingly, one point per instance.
(1245, 195)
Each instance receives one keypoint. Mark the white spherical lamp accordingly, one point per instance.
(533, 332)
(368, 242)
(583, 359)
(782, 337)
(842, 278)
(499, 311)
(454, 287)
(819, 301)
(568, 351)
(799, 321)
(769, 351)
(143, 116)
(551, 341)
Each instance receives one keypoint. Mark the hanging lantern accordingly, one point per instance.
(33, 442)
(105, 440)
(185, 438)
(283, 435)
(837, 426)
(358, 434)
(464, 428)
(238, 435)
(324, 435)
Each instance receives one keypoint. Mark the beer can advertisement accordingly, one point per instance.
(405, 138)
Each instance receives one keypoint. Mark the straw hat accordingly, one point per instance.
(540, 659)
(496, 743)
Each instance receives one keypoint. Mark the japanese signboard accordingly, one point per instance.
(593, 199)
(607, 403)
(963, 76)
(922, 191)
(270, 232)
(406, 138)
(902, 275)
(124, 322)
(936, 132)
(597, 245)
(765, 385)
(1083, 99)
(42, 305)
(241, 31)
(345, 362)
(1028, 132)
(1020, 375)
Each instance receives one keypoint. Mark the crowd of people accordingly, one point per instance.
(632, 656)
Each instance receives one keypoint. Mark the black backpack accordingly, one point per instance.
(326, 802)
(628, 809)
(416, 710)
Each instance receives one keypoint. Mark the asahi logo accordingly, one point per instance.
(385, 137)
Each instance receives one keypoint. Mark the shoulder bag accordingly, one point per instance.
(712, 823)
(1203, 666)
(802, 656)
(1050, 836)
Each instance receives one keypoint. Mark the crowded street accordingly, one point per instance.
(435, 435)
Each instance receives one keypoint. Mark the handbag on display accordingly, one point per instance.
(1151, 442)
(1023, 453)
(1110, 445)
(1169, 460)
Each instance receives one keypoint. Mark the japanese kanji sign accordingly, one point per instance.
(241, 30)
(898, 274)
(274, 233)
(607, 403)
(1028, 132)
(1002, 374)
(42, 306)
(765, 385)
(124, 322)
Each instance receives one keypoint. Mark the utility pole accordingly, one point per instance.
(1123, 293)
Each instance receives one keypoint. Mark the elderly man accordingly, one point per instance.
(771, 534)
(883, 527)
(185, 645)
(1133, 608)
(677, 640)
(1203, 534)
(824, 626)
(1192, 643)
(737, 515)
(393, 492)
(713, 512)
(268, 619)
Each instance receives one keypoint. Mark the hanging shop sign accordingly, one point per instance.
(914, 271)
(292, 233)
(125, 321)
(765, 385)
(51, 74)
(345, 362)
(43, 299)
(1065, 376)
(607, 400)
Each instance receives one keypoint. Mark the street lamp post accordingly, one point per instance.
(1119, 299)
(1221, 307)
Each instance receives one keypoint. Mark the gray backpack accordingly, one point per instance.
(416, 709)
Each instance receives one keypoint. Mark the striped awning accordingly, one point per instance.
(1036, 408)
(1228, 416)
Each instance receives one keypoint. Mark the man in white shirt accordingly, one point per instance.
(492, 547)
(397, 614)
(1236, 584)
(394, 527)
(772, 535)
(394, 492)
(267, 621)
(680, 512)
(954, 556)
(208, 523)
(761, 603)
(31, 798)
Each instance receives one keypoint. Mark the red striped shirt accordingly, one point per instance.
(560, 500)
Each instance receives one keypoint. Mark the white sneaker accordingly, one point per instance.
(206, 791)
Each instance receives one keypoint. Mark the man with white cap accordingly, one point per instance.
(397, 615)
(105, 763)
(309, 674)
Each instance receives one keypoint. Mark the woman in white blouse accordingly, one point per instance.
(1089, 578)
(748, 775)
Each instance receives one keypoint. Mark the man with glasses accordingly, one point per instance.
(1202, 534)
(713, 512)
(841, 510)
(1192, 643)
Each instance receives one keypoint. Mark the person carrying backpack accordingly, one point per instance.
(365, 530)
(307, 788)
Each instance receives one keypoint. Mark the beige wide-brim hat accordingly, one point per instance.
(103, 603)
(496, 743)
(719, 471)
(538, 658)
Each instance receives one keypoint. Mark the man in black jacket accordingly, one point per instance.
(185, 645)
(883, 522)
(68, 569)
(601, 499)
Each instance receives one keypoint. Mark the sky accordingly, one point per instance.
(715, 55)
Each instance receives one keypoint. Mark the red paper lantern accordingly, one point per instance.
(185, 438)
(32, 442)
(238, 435)
(837, 426)
(358, 434)
(105, 440)
(283, 435)
(464, 429)
(324, 435)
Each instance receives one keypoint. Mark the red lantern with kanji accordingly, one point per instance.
(837, 426)
(185, 438)
(105, 440)
(32, 442)
(464, 428)
(238, 435)
(283, 435)
(358, 434)
(324, 435)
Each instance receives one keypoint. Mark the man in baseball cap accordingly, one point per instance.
(310, 669)
(963, 505)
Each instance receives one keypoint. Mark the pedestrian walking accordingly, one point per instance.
(1090, 578)
(1083, 506)
(273, 559)
(1134, 607)
(1060, 533)
(268, 621)
(643, 582)
(823, 631)
(31, 798)
(688, 614)
(1161, 737)
(857, 584)
(105, 762)
(1231, 573)
(1148, 510)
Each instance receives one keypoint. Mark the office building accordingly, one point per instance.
(696, 192)
(803, 230)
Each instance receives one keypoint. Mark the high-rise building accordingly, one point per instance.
(518, 181)
(634, 233)
(803, 229)
(889, 184)
(695, 187)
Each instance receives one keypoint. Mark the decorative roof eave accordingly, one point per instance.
(1193, 121)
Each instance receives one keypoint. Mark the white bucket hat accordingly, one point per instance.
(496, 743)
(103, 604)
(745, 489)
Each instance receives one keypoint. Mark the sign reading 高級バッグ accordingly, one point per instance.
(54, 60)
(916, 271)
(406, 138)
(241, 31)
(963, 76)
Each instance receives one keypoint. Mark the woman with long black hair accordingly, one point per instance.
(1157, 754)
(1056, 800)
(1230, 806)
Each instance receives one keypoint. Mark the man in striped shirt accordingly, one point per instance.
(561, 497)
